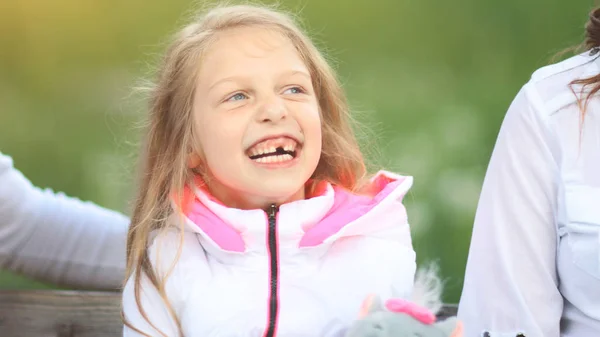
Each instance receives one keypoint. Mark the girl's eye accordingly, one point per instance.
(237, 97)
(294, 90)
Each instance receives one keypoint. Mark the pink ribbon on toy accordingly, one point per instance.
(418, 312)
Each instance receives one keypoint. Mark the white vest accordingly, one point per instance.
(302, 270)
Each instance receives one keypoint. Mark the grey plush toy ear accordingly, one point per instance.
(448, 325)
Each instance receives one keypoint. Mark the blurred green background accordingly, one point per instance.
(432, 79)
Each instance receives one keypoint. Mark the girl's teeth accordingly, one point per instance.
(268, 148)
(275, 159)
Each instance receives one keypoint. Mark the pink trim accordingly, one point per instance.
(348, 207)
(222, 234)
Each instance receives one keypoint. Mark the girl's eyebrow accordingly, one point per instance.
(224, 80)
(283, 74)
(296, 72)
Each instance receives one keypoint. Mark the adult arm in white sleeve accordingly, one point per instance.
(511, 281)
(55, 238)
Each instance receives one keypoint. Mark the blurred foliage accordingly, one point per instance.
(430, 79)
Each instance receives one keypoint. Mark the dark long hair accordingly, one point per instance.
(592, 44)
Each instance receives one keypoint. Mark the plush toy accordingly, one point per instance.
(403, 318)
(399, 318)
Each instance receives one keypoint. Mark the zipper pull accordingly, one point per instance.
(272, 210)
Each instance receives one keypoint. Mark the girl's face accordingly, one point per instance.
(257, 119)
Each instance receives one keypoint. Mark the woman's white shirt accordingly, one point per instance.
(534, 260)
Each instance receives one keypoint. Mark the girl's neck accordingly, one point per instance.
(235, 199)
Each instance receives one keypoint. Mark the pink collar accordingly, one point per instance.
(332, 213)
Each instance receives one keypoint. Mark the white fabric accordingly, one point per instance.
(534, 260)
(216, 292)
(54, 238)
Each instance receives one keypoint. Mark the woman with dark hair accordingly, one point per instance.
(534, 262)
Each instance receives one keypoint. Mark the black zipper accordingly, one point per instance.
(272, 238)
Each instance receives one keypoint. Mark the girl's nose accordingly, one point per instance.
(273, 110)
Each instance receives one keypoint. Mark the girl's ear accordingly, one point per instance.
(194, 151)
(193, 160)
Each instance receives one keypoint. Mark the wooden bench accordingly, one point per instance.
(57, 313)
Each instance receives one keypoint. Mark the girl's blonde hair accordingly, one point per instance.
(170, 134)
